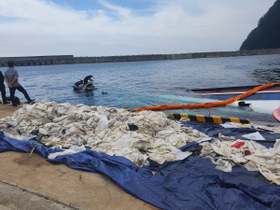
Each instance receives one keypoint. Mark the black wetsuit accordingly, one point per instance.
(2, 88)
(86, 79)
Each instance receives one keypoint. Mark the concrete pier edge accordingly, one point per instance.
(70, 59)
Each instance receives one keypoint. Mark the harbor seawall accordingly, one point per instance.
(70, 59)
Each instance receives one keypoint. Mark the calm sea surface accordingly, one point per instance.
(135, 84)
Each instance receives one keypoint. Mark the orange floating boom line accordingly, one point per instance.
(206, 105)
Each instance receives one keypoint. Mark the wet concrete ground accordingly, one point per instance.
(29, 182)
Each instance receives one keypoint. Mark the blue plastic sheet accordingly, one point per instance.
(213, 129)
(192, 183)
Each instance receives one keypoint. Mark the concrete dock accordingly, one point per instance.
(29, 182)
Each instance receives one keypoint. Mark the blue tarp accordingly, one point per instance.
(193, 183)
(213, 129)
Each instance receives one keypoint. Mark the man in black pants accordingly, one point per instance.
(3, 89)
(11, 78)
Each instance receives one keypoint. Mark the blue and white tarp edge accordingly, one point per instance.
(192, 183)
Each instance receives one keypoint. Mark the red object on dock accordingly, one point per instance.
(238, 144)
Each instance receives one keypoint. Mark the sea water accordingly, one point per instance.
(136, 84)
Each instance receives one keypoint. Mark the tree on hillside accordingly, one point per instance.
(267, 33)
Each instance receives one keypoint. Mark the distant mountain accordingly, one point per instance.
(267, 33)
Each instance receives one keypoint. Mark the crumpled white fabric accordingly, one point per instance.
(235, 125)
(267, 160)
(103, 129)
(71, 150)
(253, 155)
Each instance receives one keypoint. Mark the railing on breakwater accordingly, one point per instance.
(70, 59)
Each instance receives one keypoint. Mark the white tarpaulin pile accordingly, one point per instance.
(134, 135)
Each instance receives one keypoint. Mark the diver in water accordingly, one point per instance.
(88, 82)
(87, 79)
(85, 84)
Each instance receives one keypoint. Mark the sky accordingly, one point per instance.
(125, 27)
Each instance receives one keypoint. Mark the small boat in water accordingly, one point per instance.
(84, 85)
(263, 101)
(269, 93)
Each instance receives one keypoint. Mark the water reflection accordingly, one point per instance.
(84, 94)
(263, 76)
(180, 89)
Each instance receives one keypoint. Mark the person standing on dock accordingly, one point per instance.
(3, 88)
(11, 78)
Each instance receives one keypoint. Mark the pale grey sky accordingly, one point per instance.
(127, 27)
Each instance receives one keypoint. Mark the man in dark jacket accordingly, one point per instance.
(2, 88)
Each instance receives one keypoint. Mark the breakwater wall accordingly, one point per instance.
(70, 59)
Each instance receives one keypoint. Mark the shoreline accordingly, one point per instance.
(7, 110)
